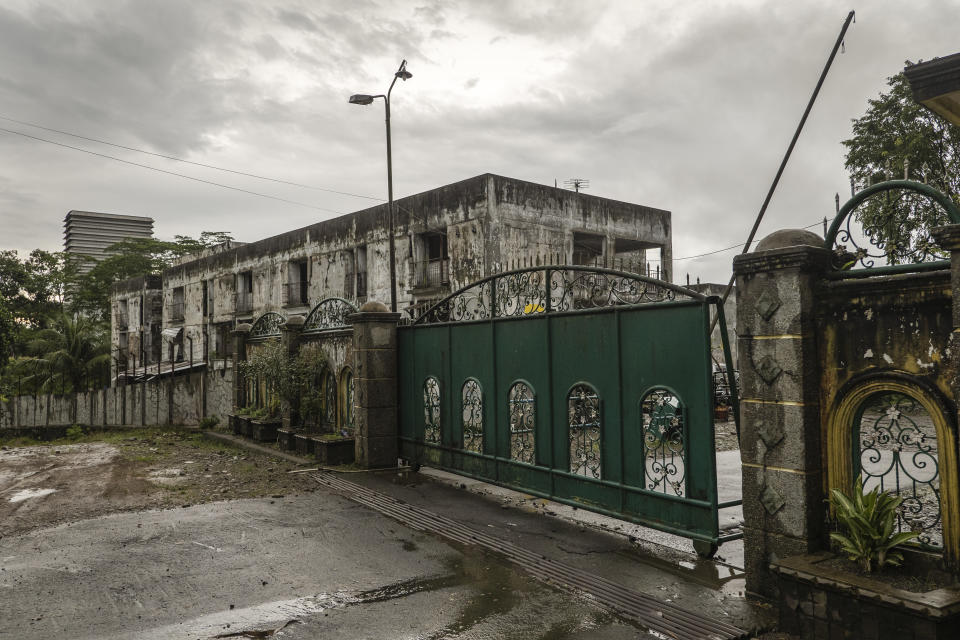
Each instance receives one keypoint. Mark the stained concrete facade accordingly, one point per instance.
(445, 238)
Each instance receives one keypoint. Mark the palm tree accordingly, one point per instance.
(69, 355)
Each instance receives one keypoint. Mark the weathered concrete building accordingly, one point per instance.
(445, 238)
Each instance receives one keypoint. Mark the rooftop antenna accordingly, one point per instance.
(577, 183)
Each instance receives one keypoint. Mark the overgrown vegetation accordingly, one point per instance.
(54, 321)
(869, 520)
(289, 382)
(897, 135)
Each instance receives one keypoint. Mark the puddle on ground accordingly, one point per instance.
(495, 600)
(26, 494)
(708, 573)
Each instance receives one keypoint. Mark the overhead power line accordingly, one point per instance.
(184, 160)
(731, 248)
(171, 173)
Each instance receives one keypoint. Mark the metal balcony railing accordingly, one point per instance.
(295, 293)
(244, 302)
(431, 273)
(176, 311)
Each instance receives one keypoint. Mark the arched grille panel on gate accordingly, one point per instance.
(897, 451)
(901, 248)
(471, 410)
(522, 411)
(549, 290)
(328, 389)
(431, 411)
(664, 443)
(346, 400)
(266, 326)
(584, 430)
(329, 313)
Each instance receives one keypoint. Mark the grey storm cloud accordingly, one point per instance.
(687, 108)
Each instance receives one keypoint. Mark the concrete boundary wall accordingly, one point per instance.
(179, 401)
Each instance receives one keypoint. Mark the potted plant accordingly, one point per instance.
(873, 586)
(288, 379)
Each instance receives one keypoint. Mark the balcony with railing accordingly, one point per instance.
(121, 320)
(176, 311)
(431, 273)
(295, 294)
(244, 302)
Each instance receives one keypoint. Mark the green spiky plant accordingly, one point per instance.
(869, 519)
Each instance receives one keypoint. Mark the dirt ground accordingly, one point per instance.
(725, 432)
(45, 484)
(101, 472)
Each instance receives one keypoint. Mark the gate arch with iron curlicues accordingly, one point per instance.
(551, 366)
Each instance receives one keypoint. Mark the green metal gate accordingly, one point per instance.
(588, 386)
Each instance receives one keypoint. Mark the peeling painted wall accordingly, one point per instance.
(886, 323)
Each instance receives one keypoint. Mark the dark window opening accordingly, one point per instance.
(295, 288)
(587, 249)
(434, 270)
(245, 292)
(177, 308)
(361, 272)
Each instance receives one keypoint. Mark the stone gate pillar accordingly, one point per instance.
(239, 335)
(375, 384)
(780, 445)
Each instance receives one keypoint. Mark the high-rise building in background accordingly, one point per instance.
(88, 233)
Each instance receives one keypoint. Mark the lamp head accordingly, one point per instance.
(361, 98)
(403, 74)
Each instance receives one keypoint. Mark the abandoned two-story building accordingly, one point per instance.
(445, 238)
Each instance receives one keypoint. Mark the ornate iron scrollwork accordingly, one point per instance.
(472, 413)
(330, 313)
(583, 419)
(899, 454)
(664, 434)
(538, 290)
(572, 289)
(872, 243)
(522, 405)
(431, 411)
(267, 326)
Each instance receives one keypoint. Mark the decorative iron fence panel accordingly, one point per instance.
(558, 397)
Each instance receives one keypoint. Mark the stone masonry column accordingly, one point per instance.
(375, 385)
(290, 337)
(239, 335)
(780, 447)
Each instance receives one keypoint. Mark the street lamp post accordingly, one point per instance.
(364, 99)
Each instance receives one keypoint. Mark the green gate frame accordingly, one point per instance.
(554, 328)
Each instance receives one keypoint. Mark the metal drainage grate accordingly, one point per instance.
(659, 617)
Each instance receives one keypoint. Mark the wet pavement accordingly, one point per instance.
(337, 570)
(318, 565)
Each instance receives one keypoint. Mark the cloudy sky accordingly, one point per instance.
(683, 106)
